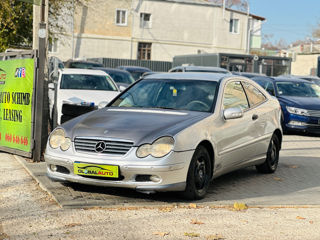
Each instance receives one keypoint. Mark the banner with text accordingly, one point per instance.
(16, 91)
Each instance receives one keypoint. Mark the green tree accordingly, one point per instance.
(15, 24)
(16, 21)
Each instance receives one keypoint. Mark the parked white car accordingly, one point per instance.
(80, 87)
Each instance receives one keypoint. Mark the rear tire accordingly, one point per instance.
(272, 159)
(199, 175)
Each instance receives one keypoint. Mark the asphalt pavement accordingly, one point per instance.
(295, 182)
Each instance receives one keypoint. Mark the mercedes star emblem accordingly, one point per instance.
(100, 146)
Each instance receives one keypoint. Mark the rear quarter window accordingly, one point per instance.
(255, 96)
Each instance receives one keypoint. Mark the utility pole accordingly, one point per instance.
(42, 36)
(72, 45)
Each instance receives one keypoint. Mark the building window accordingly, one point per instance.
(145, 20)
(234, 26)
(121, 17)
(53, 45)
(144, 51)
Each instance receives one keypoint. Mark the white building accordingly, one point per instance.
(156, 30)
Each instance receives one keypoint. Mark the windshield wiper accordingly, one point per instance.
(169, 108)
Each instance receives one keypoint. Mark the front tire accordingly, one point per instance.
(199, 174)
(272, 159)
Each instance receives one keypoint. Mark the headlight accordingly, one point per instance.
(158, 149)
(66, 144)
(144, 150)
(298, 111)
(58, 139)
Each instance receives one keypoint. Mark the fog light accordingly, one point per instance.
(155, 178)
(297, 123)
(53, 168)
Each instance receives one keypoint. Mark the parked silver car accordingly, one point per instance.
(170, 132)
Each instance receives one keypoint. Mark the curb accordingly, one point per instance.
(23, 162)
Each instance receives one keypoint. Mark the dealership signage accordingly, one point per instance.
(16, 111)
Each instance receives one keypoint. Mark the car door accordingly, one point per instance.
(234, 137)
(260, 117)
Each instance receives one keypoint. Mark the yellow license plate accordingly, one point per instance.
(96, 170)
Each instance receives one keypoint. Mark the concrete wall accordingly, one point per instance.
(304, 64)
(98, 18)
(177, 29)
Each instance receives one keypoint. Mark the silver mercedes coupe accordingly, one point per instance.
(170, 132)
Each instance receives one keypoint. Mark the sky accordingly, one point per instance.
(290, 20)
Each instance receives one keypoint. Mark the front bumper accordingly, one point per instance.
(303, 124)
(172, 176)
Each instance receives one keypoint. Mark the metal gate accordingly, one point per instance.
(156, 66)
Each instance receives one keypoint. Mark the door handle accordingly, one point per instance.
(255, 117)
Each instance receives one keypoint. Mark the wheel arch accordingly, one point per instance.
(278, 133)
(209, 147)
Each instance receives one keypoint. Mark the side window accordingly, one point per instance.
(234, 96)
(270, 89)
(254, 95)
(267, 85)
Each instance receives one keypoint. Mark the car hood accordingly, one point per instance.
(136, 125)
(79, 96)
(309, 103)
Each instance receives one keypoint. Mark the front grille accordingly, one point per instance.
(114, 147)
(314, 113)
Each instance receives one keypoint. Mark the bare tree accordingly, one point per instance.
(58, 9)
(235, 4)
(316, 31)
(269, 44)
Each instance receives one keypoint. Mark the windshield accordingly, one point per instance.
(87, 82)
(298, 89)
(193, 95)
(121, 77)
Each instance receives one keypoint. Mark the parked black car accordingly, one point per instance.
(249, 74)
(121, 77)
(81, 64)
(135, 71)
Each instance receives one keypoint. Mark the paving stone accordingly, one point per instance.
(296, 182)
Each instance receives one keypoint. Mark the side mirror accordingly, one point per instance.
(232, 113)
(122, 88)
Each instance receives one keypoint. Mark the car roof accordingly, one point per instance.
(280, 79)
(202, 68)
(249, 74)
(289, 79)
(111, 69)
(134, 68)
(70, 61)
(217, 77)
(309, 77)
(82, 71)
